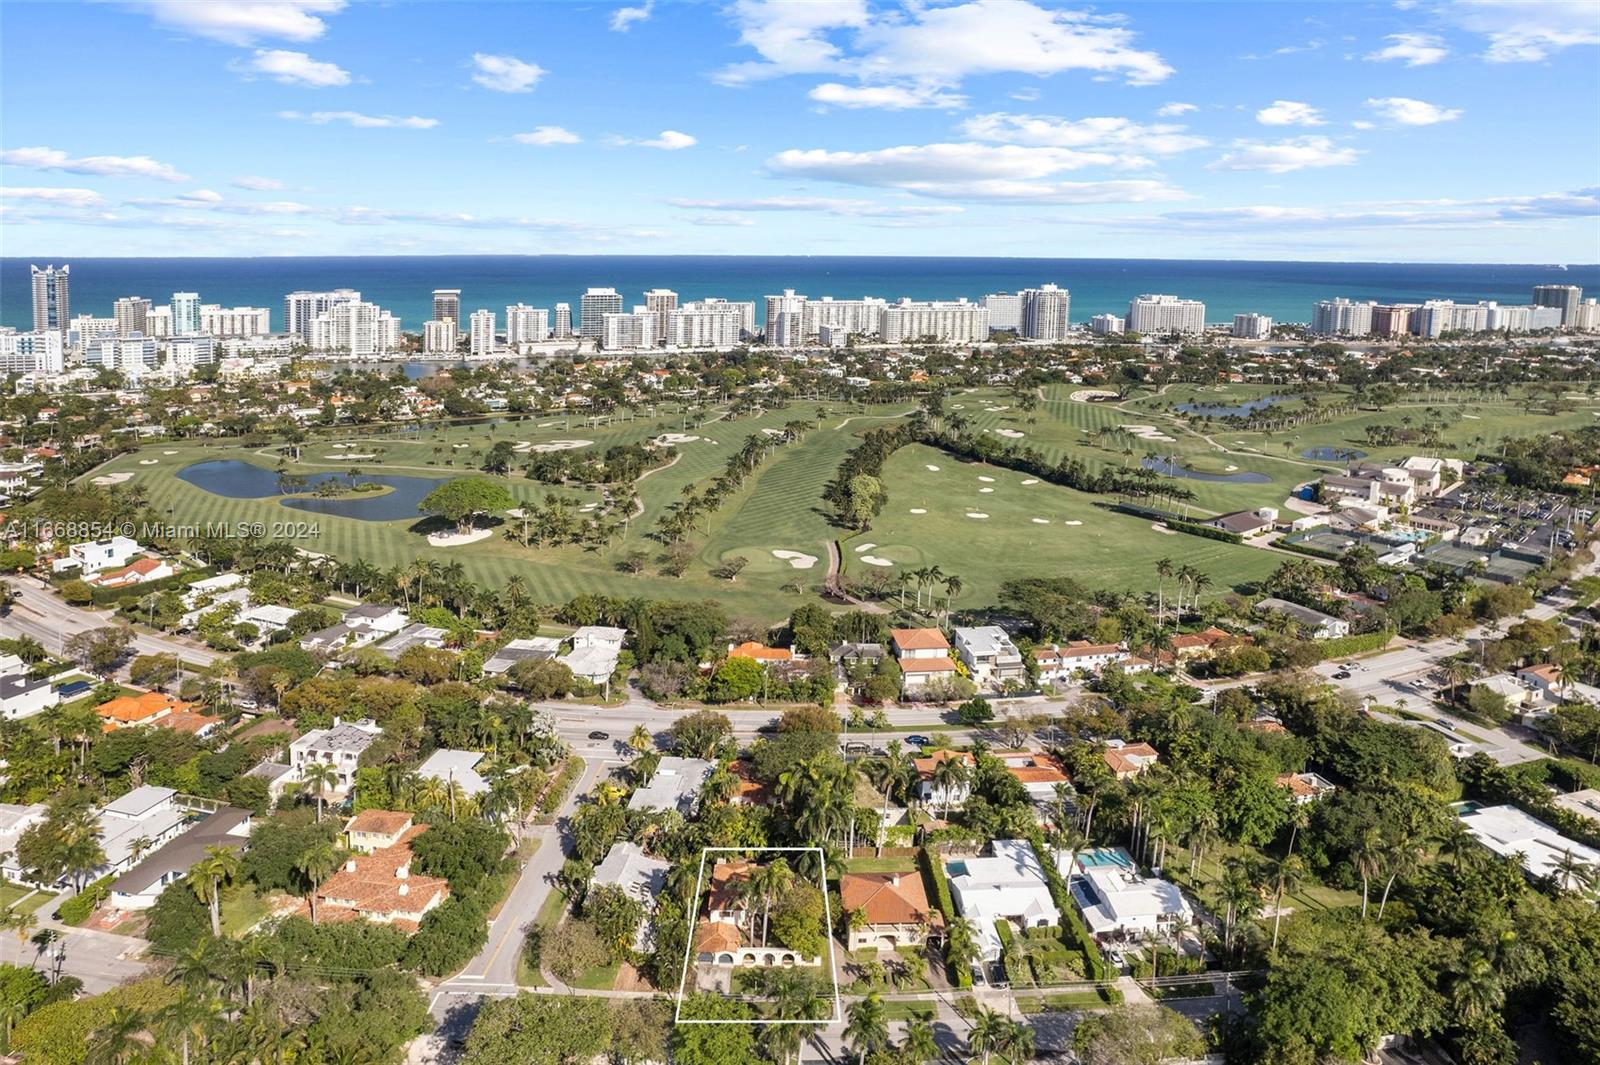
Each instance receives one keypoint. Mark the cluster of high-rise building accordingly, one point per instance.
(1553, 307)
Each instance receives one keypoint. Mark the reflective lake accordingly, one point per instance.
(236, 479)
(1239, 410)
(1169, 468)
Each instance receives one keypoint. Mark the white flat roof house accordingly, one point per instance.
(23, 696)
(627, 866)
(675, 786)
(530, 649)
(457, 766)
(96, 555)
(339, 746)
(1321, 626)
(1116, 901)
(1009, 885)
(14, 821)
(1509, 831)
(148, 816)
(598, 636)
(989, 654)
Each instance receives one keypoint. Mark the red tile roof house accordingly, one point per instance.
(378, 885)
(719, 937)
(1130, 759)
(932, 794)
(923, 656)
(146, 569)
(893, 908)
(1061, 662)
(1202, 644)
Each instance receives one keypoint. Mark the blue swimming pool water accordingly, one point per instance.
(956, 868)
(1104, 858)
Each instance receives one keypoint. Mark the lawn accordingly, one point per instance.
(1310, 896)
(778, 508)
(242, 908)
(1031, 530)
(882, 865)
(600, 978)
(14, 894)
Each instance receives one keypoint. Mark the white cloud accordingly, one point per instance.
(1048, 131)
(827, 205)
(1526, 31)
(935, 44)
(624, 17)
(202, 196)
(207, 200)
(103, 165)
(670, 140)
(1362, 123)
(257, 184)
(1298, 153)
(243, 22)
(719, 220)
(58, 197)
(1004, 173)
(887, 97)
(1173, 110)
(1289, 113)
(505, 73)
(1412, 49)
(545, 136)
(1404, 111)
(359, 120)
(1493, 212)
(294, 68)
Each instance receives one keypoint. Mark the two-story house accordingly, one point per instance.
(891, 910)
(924, 657)
(990, 656)
(339, 746)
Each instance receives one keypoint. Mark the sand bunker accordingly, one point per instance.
(863, 548)
(976, 514)
(774, 432)
(1229, 469)
(339, 447)
(797, 559)
(458, 447)
(932, 468)
(874, 560)
(1072, 523)
(169, 452)
(1474, 417)
(1085, 395)
(1146, 432)
(918, 510)
(587, 507)
(982, 477)
(1158, 527)
(149, 462)
(455, 539)
(560, 445)
(1031, 480)
(986, 489)
(996, 410)
(666, 439)
(106, 480)
(1010, 434)
(349, 455)
(522, 445)
(1040, 521)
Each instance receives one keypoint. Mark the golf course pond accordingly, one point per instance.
(237, 479)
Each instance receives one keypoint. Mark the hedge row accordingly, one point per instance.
(557, 791)
(933, 869)
(77, 909)
(1194, 528)
(1311, 552)
(117, 596)
(1094, 963)
(1345, 646)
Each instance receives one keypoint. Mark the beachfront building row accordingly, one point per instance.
(1435, 318)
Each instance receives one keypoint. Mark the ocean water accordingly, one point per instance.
(404, 284)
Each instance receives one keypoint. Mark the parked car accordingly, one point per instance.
(855, 747)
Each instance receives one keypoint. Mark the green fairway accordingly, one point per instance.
(1026, 533)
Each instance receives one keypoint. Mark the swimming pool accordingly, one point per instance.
(1105, 858)
(957, 868)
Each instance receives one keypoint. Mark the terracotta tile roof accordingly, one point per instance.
(372, 884)
(722, 893)
(1130, 758)
(185, 721)
(1210, 637)
(927, 665)
(926, 766)
(887, 898)
(761, 652)
(920, 640)
(1263, 725)
(712, 937)
(379, 822)
(1084, 649)
(1041, 769)
(1297, 787)
(128, 709)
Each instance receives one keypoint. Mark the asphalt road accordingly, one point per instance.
(42, 615)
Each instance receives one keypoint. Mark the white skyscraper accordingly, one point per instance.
(482, 341)
(185, 314)
(626, 332)
(38, 352)
(1046, 313)
(863, 316)
(221, 321)
(158, 320)
(661, 301)
(52, 299)
(1005, 311)
(1342, 318)
(592, 309)
(447, 304)
(944, 321)
(785, 322)
(439, 338)
(1107, 325)
(131, 356)
(132, 314)
(746, 310)
(1252, 326)
(300, 309)
(185, 353)
(86, 327)
(526, 325)
(1165, 314)
(563, 323)
(355, 328)
(696, 325)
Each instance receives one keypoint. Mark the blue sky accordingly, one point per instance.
(1446, 131)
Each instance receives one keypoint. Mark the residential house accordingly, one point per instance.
(1128, 760)
(359, 627)
(719, 940)
(157, 710)
(1038, 773)
(760, 652)
(377, 883)
(455, 767)
(596, 649)
(1306, 787)
(942, 796)
(14, 821)
(530, 649)
(924, 658)
(1118, 903)
(990, 656)
(675, 786)
(1246, 523)
(1511, 832)
(1585, 803)
(1191, 646)
(24, 696)
(140, 572)
(92, 557)
(644, 878)
(1313, 623)
(339, 746)
(892, 907)
(135, 824)
(414, 634)
(1009, 885)
(140, 886)
(1544, 679)
(1058, 663)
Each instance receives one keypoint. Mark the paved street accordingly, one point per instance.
(102, 960)
(42, 615)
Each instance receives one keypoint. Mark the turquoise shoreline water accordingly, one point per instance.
(404, 284)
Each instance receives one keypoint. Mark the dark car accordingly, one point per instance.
(1341, 675)
(598, 735)
(917, 741)
(768, 729)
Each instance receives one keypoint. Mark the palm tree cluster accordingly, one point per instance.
(681, 517)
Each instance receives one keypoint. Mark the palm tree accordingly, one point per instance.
(961, 945)
(219, 866)
(919, 1046)
(1476, 990)
(117, 1041)
(1290, 871)
(948, 775)
(640, 739)
(1017, 1042)
(1368, 857)
(867, 1030)
(1565, 868)
(1403, 854)
(1163, 571)
(317, 864)
(188, 1018)
(989, 1032)
(316, 777)
(770, 881)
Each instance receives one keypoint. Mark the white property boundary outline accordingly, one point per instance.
(827, 919)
